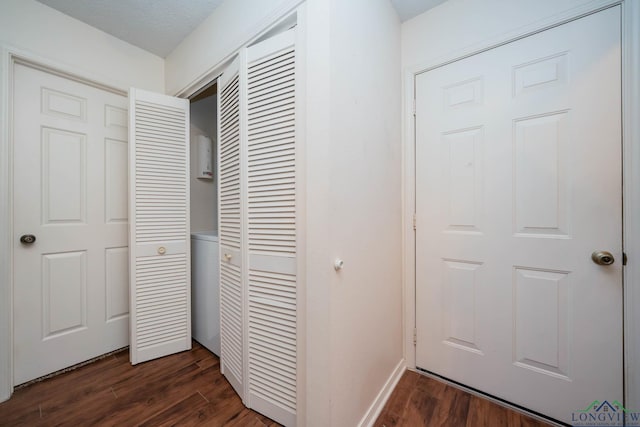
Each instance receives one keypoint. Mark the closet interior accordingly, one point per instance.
(205, 289)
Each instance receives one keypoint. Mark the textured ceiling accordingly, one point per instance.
(157, 26)
(407, 9)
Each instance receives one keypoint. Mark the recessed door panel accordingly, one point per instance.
(117, 282)
(64, 177)
(64, 302)
(116, 183)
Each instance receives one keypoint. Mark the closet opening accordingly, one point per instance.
(205, 288)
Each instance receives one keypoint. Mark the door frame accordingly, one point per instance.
(630, 50)
(9, 57)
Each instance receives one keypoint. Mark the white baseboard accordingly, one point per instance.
(374, 410)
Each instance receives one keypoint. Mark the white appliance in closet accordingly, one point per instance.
(205, 289)
(257, 224)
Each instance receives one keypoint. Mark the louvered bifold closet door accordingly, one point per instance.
(230, 230)
(271, 227)
(159, 236)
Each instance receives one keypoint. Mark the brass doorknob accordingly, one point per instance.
(603, 258)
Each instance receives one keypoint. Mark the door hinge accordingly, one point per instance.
(415, 336)
(414, 107)
(414, 221)
(624, 258)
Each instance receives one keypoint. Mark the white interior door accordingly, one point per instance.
(70, 192)
(230, 230)
(258, 234)
(518, 181)
(159, 233)
(271, 228)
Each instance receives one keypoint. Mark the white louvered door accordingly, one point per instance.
(230, 231)
(159, 220)
(271, 228)
(257, 224)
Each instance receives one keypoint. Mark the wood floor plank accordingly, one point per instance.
(483, 413)
(176, 413)
(458, 407)
(419, 400)
(248, 418)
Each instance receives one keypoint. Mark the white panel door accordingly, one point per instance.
(271, 228)
(71, 299)
(230, 230)
(159, 233)
(518, 181)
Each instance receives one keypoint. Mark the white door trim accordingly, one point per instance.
(631, 196)
(631, 175)
(10, 56)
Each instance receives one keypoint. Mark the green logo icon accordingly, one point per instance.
(605, 406)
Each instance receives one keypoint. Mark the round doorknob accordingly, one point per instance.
(27, 239)
(602, 258)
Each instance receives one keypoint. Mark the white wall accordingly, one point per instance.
(43, 33)
(366, 203)
(228, 28)
(354, 205)
(204, 192)
(458, 24)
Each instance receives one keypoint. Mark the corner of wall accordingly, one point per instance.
(315, 55)
(77, 47)
(381, 399)
(203, 52)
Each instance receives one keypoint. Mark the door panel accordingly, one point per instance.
(257, 223)
(229, 224)
(518, 181)
(69, 296)
(271, 227)
(160, 234)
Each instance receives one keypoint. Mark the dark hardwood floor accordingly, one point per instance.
(183, 389)
(187, 389)
(418, 400)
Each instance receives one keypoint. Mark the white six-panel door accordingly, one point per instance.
(160, 290)
(518, 181)
(71, 300)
